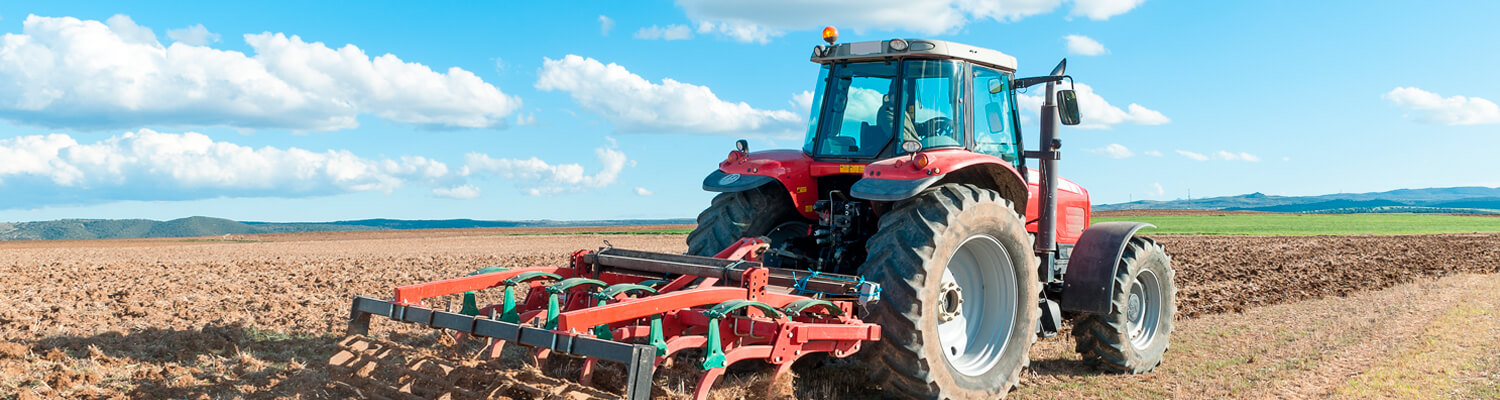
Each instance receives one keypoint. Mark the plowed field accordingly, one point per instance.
(258, 316)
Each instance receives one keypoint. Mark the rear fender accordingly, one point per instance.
(1089, 282)
(894, 178)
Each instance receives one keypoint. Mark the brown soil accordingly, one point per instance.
(1218, 274)
(175, 318)
(259, 316)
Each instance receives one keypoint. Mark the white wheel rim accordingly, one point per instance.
(1143, 309)
(973, 334)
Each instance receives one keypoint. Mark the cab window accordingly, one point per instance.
(994, 133)
(852, 119)
(931, 90)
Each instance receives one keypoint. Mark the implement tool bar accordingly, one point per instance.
(644, 262)
(638, 358)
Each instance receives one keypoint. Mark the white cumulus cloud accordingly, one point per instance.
(457, 192)
(196, 35)
(537, 177)
(1220, 155)
(1114, 150)
(634, 104)
(1100, 10)
(148, 165)
(605, 25)
(1233, 156)
(803, 100)
(1094, 111)
(1434, 109)
(1192, 155)
(1084, 45)
(83, 74)
(1157, 190)
(670, 32)
(527, 119)
(758, 21)
(640, 191)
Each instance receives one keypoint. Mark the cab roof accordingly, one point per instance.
(881, 50)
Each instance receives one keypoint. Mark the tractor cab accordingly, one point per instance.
(880, 99)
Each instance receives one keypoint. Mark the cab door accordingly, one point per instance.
(993, 115)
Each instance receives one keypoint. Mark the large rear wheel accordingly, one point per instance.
(1133, 337)
(731, 216)
(959, 295)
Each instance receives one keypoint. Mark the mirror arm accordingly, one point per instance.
(1022, 83)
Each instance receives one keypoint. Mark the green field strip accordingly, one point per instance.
(1313, 224)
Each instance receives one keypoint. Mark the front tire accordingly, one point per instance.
(959, 294)
(731, 216)
(1134, 337)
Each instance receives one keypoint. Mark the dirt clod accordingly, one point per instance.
(55, 355)
(63, 379)
(12, 350)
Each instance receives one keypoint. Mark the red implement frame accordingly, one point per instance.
(732, 323)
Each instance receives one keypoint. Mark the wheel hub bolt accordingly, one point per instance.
(950, 301)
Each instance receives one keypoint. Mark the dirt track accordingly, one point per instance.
(258, 315)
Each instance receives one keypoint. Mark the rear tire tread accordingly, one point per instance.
(1103, 340)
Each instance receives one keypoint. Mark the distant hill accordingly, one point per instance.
(1479, 200)
(208, 226)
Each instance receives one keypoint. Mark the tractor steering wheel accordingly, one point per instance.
(937, 126)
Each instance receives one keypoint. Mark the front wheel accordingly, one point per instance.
(959, 295)
(1134, 336)
(735, 215)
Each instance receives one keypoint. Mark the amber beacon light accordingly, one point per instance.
(830, 35)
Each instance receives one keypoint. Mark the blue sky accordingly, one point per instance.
(293, 111)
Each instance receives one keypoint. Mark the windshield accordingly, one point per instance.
(859, 103)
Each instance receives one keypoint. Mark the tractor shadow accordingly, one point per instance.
(1054, 357)
(1064, 367)
(215, 361)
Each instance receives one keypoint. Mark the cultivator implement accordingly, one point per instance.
(641, 308)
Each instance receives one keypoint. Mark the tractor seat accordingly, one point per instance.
(843, 145)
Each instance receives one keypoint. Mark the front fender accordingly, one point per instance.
(722, 182)
(890, 189)
(894, 178)
(790, 168)
(1090, 280)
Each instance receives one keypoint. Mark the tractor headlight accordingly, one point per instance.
(898, 45)
(911, 146)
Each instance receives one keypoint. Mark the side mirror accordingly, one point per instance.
(1067, 107)
(742, 145)
(996, 86)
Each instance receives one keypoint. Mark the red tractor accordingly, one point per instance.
(913, 176)
(908, 229)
